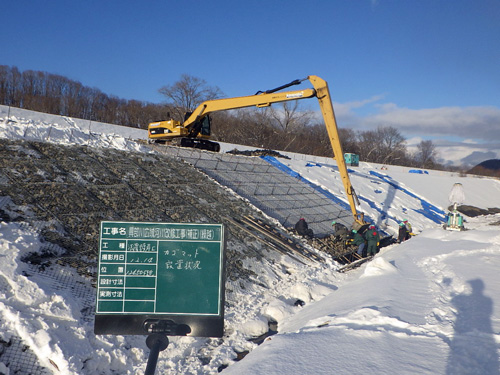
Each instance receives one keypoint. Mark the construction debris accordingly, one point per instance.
(258, 153)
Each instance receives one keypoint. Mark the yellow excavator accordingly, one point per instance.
(195, 130)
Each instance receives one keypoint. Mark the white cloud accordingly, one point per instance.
(472, 141)
(349, 106)
(414, 141)
(465, 153)
(461, 134)
(481, 123)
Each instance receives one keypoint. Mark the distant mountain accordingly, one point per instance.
(487, 168)
(477, 157)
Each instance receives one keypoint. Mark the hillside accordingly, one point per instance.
(487, 168)
(59, 179)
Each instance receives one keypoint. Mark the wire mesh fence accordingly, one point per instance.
(273, 191)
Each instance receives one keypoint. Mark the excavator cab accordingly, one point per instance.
(199, 134)
(206, 123)
(200, 127)
(173, 133)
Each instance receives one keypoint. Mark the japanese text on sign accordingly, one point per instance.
(161, 233)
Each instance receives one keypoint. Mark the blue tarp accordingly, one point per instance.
(282, 167)
(418, 171)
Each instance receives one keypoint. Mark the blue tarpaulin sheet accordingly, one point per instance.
(418, 171)
(428, 210)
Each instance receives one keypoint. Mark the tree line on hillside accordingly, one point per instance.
(58, 95)
(283, 127)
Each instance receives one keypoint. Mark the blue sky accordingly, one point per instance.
(428, 67)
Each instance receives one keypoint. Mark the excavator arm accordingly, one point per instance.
(326, 106)
(192, 127)
(261, 99)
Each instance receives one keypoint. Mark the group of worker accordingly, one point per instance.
(405, 231)
(367, 242)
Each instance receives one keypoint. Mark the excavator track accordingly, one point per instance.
(200, 143)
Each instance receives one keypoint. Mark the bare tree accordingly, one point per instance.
(426, 154)
(384, 145)
(349, 140)
(368, 145)
(287, 116)
(392, 145)
(189, 92)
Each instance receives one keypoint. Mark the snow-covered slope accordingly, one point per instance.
(427, 306)
(391, 194)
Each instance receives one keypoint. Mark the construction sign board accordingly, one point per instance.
(151, 273)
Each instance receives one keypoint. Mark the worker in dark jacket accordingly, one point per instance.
(340, 231)
(359, 241)
(372, 238)
(302, 228)
(402, 232)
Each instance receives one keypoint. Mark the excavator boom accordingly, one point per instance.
(195, 132)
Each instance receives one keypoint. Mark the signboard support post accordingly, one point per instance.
(156, 342)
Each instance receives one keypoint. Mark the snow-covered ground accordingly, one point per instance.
(428, 306)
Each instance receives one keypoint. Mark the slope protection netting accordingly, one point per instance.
(277, 193)
(69, 190)
(20, 359)
(61, 194)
